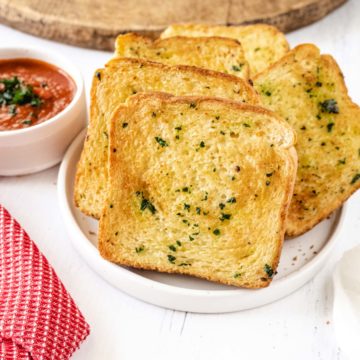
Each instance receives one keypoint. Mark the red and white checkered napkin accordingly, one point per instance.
(38, 318)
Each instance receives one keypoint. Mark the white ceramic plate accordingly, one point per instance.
(301, 259)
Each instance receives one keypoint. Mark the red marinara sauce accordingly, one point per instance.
(31, 92)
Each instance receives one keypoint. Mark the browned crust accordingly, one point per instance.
(135, 100)
(271, 28)
(138, 265)
(253, 95)
(79, 165)
(266, 27)
(331, 63)
(160, 41)
(290, 192)
(284, 59)
(228, 41)
(245, 28)
(277, 41)
(171, 99)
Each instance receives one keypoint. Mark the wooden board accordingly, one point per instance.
(95, 24)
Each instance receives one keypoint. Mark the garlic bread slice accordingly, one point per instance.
(308, 90)
(198, 186)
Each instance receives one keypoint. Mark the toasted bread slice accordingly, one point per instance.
(214, 53)
(112, 86)
(198, 186)
(308, 90)
(263, 44)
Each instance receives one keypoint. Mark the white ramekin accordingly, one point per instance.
(41, 146)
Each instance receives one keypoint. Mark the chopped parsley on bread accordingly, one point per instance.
(192, 170)
(198, 186)
(214, 53)
(308, 90)
(263, 44)
(121, 78)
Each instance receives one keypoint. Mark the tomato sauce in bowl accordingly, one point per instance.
(31, 92)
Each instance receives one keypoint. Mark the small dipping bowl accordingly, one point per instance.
(38, 147)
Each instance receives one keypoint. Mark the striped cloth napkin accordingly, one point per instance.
(38, 317)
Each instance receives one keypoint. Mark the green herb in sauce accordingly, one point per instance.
(12, 109)
(16, 92)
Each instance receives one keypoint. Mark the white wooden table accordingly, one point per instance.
(297, 327)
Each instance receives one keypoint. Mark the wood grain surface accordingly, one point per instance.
(95, 23)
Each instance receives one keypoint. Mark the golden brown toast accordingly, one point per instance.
(198, 186)
(263, 44)
(122, 78)
(308, 90)
(214, 53)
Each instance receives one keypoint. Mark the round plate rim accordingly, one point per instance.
(277, 289)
